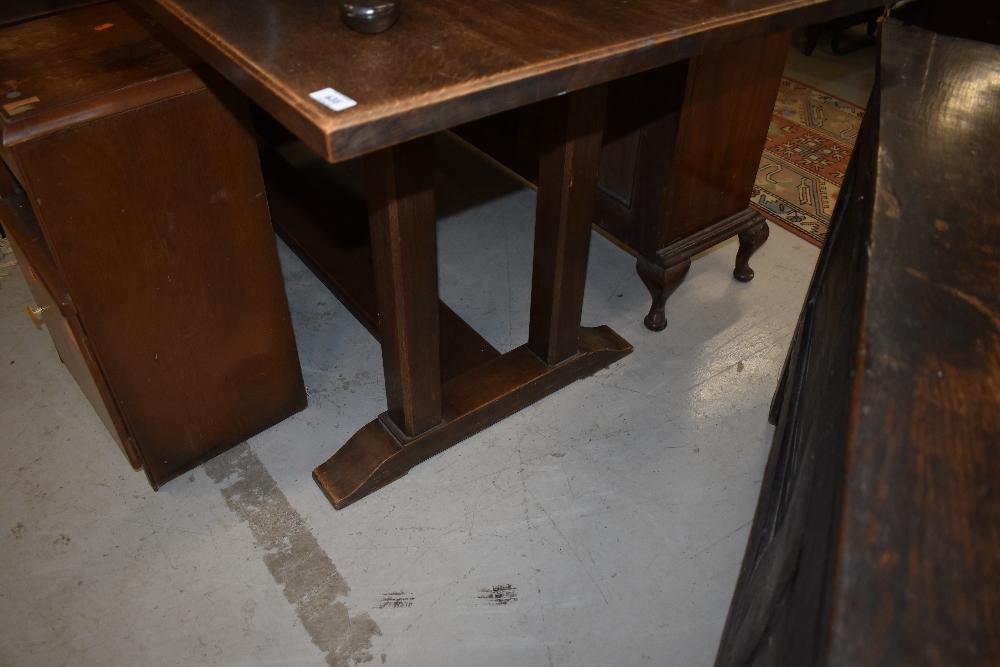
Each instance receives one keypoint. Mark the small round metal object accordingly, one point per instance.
(369, 16)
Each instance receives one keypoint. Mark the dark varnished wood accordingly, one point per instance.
(160, 238)
(571, 136)
(662, 275)
(92, 74)
(661, 283)
(447, 62)
(750, 241)
(326, 224)
(558, 351)
(400, 185)
(379, 453)
(680, 153)
(18, 11)
(60, 318)
(877, 535)
(8, 184)
(727, 109)
(728, 102)
(644, 111)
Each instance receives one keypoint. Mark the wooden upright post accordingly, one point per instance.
(400, 185)
(571, 129)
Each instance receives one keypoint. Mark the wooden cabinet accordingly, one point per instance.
(137, 211)
(681, 148)
(876, 539)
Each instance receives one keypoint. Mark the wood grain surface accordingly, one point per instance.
(17, 11)
(381, 453)
(400, 186)
(877, 536)
(567, 178)
(917, 577)
(728, 105)
(144, 219)
(86, 64)
(447, 62)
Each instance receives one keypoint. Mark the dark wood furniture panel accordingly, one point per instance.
(18, 11)
(877, 535)
(969, 19)
(682, 144)
(149, 202)
(728, 102)
(640, 134)
(54, 308)
(448, 62)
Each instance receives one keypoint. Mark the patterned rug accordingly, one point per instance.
(805, 158)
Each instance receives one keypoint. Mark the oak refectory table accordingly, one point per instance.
(448, 62)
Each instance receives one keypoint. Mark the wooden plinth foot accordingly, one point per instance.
(380, 453)
(661, 283)
(750, 241)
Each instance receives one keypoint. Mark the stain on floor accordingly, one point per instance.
(295, 559)
(500, 595)
(396, 600)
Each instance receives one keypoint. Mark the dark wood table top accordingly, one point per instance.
(451, 61)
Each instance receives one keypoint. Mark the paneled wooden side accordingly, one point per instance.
(640, 132)
(157, 221)
(917, 570)
(727, 109)
(877, 535)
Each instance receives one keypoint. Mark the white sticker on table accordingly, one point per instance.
(329, 97)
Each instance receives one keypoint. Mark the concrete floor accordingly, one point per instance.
(603, 525)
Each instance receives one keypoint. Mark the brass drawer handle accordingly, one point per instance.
(35, 314)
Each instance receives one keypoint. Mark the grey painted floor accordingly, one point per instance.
(603, 525)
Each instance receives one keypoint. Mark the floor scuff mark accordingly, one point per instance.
(310, 580)
(396, 600)
(500, 595)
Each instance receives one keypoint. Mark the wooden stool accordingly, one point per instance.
(137, 212)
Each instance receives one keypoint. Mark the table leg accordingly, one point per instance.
(572, 127)
(426, 417)
(400, 186)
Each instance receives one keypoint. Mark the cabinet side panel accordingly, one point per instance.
(157, 219)
(727, 110)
